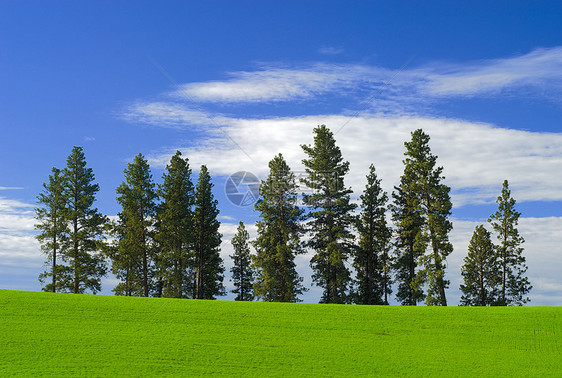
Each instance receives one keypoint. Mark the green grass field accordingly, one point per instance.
(87, 335)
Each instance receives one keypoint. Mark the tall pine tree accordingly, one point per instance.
(279, 231)
(86, 225)
(480, 271)
(175, 229)
(514, 284)
(133, 262)
(422, 192)
(208, 264)
(371, 260)
(409, 222)
(331, 218)
(242, 271)
(52, 222)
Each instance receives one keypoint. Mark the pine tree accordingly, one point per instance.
(480, 271)
(514, 285)
(175, 228)
(279, 231)
(372, 257)
(52, 222)
(423, 184)
(86, 226)
(133, 261)
(242, 271)
(208, 264)
(409, 222)
(331, 218)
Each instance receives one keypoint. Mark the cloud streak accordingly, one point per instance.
(274, 84)
(539, 69)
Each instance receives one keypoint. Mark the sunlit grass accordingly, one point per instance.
(86, 335)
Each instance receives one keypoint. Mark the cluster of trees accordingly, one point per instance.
(166, 240)
(338, 235)
(412, 254)
(494, 274)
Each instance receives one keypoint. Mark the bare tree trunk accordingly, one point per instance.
(76, 276)
(54, 289)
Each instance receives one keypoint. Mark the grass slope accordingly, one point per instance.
(86, 335)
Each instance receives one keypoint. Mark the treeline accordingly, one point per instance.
(165, 241)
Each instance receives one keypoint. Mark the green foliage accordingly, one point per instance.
(331, 218)
(86, 227)
(52, 222)
(279, 231)
(242, 271)
(409, 222)
(514, 285)
(372, 260)
(208, 264)
(133, 259)
(425, 194)
(45, 334)
(480, 271)
(175, 229)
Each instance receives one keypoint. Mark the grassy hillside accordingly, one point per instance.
(63, 334)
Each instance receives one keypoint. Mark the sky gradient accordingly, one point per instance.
(233, 84)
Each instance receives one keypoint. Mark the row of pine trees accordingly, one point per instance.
(165, 241)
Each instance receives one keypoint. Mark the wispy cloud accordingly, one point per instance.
(539, 69)
(168, 114)
(330, 50)
(270, 84)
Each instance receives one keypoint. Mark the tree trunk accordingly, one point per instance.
(412, 300)
(53, 289)
(76, 276)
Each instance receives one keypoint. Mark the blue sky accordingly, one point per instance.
(233, 83)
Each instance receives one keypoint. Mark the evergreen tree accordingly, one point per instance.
(279, 232)
(409, 222)
(208, 264)
(428, 196)
(480, 271)
(331, 218)
(372, 258)
(175, 228)
(514, 285)
(242, 271)
(133, 262)
(52, 222)
(86, 226)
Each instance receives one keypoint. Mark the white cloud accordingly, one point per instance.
(393, 88)
(168, 114)
(19, 250)
(476, 157)
(282, 84)
(540, 67)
